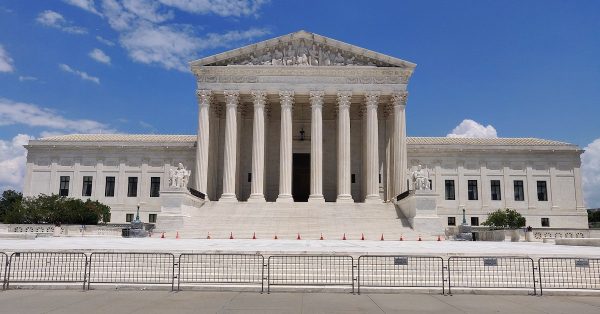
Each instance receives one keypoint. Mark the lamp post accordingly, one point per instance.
(464, 218)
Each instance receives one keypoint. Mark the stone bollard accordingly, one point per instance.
(56, 231)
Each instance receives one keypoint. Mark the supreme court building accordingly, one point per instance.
(303, 133)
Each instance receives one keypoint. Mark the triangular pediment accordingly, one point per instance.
(302, 49)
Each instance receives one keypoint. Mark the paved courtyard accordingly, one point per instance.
(64, 301)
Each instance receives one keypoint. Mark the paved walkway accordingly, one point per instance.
(64, 301)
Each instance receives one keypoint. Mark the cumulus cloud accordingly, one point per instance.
(12, 113)
(470, 128)
(24, 78)
(12, 162)
(87, 5)
(590, 169)
(81, 74)
(99, 56)
(220, 7)
(6, 62)
(56, 20)
(105, 41)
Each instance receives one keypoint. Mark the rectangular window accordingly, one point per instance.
(495, 189)
(353, 178)
(154, 186)
(451, 221)
(450, 190)
(87, 186)
(132, 186)
(152, 218)
(519, 191)
(128, 217)
(109, 188)
(542, 191)
(430, 185)
(472, 189)
(63, 189)
(545, 222)
(474, 221)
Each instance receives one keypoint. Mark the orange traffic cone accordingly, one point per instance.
(382, 237)
(275, 238)
(162, 235)
(321, 236)
(420, 238)
(298, 237)
(362, 236)
(401, 238)
(254, 236)
(208, 236)
(231, 236)
(439, 239)
(177, 235)
(344, 237)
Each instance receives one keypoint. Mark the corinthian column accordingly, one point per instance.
(202, 145)
(258, 147)
(399, 143)
(316, 147)
(344, 175)
(372, 177)
(285, 149)
(229, 156)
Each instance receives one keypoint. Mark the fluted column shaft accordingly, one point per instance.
(258, 147)
(344, 175)
(230, 153)
(316, 147)
(203, 140)
(372, 176)
(285, 149)
(399, 143)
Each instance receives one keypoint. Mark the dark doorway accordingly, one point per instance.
(301, 177)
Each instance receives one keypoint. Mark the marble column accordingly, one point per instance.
(258, 147)
(399, 143)
(202, 145)
(316, 147)
(285, 148)
(372, 177)
(344, 175)
(230, 149)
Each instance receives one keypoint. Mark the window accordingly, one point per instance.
(64, 186)
(109, 188)
(472, 186)
(249, 176)
(450, 190)
(132, 186)
(87, 186)
(474, 221)
(380, 178)
(155, 187)
(545, 222)
(519, 191)
(353, 178)
(128, 217)
(151, 218)
(542, 191)
(430, 185)
(495, 189)
(451, 221)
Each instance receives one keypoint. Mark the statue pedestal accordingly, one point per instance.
(177, 204)
(420, 208)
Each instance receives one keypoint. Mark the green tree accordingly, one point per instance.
(505, 219)
(10, 200)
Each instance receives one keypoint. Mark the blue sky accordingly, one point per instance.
(525, 68)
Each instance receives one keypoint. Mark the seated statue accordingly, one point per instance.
(420, 179)
(179, 177)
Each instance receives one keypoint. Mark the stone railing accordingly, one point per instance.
(67, 230)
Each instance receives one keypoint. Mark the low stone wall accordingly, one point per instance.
(579, 242)
(67, 230)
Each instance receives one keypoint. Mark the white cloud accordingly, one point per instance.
(219, 7)
(149, 11)
(13, 157)
(23, 78)
(6, 62)
(470, 128)
(54, 19)
(590, 172)
(99, 56)
(87, 5)
(81, 74)
(12, 113)
(105, 41)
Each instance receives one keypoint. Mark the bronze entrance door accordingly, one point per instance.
(301, 177)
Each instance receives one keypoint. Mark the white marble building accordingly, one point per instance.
(305, 118)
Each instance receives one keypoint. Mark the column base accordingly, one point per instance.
(316, 198)
(228, 197)
(373, 198)
(344, 198)
(256, 198)
(285, 198)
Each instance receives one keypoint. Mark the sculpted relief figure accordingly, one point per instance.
(313, 55)
(420, 178)
(266, 58)
(302, 56)
(339, 59)
(277, 57)
(290, 55)
(179, 177)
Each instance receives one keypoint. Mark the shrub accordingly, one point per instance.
(505, 219)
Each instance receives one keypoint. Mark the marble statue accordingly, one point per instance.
(420, 178)
(179, 177)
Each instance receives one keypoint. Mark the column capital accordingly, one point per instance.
(372, 99)
(231, 97)
(287, 98)
(259, 97)
(399, 99)
(344, 98)
(204, 97)
(316, 99)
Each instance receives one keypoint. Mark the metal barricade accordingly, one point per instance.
(310, 270)
(3, 267)
(239, 269)
(47, 267)
(401, 271)
(132, 268)
(569, 273)
(491, 272)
